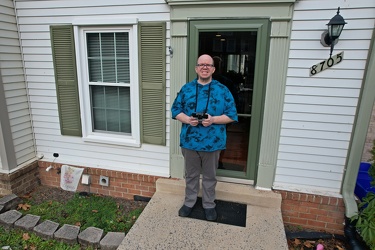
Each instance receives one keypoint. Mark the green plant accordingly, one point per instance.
(372, 168)
(365, 219)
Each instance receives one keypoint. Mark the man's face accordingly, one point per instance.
(205, 68)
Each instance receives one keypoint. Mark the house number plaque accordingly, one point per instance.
(317, 68)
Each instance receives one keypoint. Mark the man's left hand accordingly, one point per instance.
(208, 121)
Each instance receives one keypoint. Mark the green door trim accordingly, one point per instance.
(262, 27)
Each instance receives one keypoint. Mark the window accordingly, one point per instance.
(109, 85)
(108, 62)
(97, 85)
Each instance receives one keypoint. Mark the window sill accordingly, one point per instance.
(105, 139)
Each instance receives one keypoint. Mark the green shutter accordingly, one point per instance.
(152, 62)
(63, 53)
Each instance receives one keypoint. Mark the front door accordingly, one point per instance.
(239, 51)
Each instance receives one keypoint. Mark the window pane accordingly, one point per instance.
(125, 122)
(125, 110)
(93, 45)
(93, 52)
(123, 70)
(122, 52)
(95, 70)
(111, 108)
(97, 97)
(112, 97)
(107, 44)
(113, 120)
(99, 119)
(108, 57)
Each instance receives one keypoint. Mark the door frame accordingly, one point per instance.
(279, 13)
(261, 26)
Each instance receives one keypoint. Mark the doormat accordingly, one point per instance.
(230, 213)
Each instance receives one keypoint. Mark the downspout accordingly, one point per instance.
(359, 133)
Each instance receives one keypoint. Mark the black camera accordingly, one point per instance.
(199, 116)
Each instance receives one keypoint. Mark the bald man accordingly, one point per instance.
(204, 107)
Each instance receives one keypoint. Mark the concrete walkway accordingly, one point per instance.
(160, 227)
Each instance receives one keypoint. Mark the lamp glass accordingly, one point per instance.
(335, 30)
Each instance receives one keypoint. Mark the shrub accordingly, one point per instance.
(365, 219)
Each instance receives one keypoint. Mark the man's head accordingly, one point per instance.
(205, 68)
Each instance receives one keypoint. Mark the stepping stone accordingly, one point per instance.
(91, 236)
(111, 241)
(8, 218)
(10, 201)
(28, 222)
(68, 234)
(46, 229)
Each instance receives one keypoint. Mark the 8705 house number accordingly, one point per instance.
(315, 69)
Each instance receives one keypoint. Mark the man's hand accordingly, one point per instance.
(193, 121)
(187, 119)
(208, 121)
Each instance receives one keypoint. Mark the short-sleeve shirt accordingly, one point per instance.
(194, 98)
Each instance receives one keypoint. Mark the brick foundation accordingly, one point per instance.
(321, 213)
(121, 184)
(21, 181)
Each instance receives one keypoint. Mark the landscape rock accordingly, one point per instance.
(67, 233)
(46, 229)
(8, 218)
(111, 241)
(91, 236)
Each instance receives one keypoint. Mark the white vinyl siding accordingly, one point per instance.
(14, 84)
(319, 111)
(34, 18)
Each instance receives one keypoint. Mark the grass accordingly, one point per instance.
(17, 239)
(84, 211)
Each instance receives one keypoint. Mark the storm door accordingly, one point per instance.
(239, 51)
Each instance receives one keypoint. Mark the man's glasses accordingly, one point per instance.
(201, 65)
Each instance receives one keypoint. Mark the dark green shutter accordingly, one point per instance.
(152, 79)
(63, 53)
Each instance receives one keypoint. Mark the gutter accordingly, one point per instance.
(359, 132)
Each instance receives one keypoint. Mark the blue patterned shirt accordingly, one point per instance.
(219, 102)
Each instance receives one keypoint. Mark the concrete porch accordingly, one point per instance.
(160, 227)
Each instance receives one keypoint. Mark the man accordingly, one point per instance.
(204, 107)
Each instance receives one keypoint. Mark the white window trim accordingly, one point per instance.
(133, 140)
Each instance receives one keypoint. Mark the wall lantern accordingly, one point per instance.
(330, 36)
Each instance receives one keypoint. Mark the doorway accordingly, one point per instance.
(237, 47)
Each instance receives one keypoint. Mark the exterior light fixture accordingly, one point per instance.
(335, 27)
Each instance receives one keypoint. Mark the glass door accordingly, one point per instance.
(235, 52)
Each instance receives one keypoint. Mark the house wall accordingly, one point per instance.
(34, 18)
(15, 93)
(319, 110)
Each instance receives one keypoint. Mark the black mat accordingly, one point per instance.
(230, 213)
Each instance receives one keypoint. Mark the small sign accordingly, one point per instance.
(315, 69)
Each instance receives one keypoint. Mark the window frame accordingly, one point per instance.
(133, 140)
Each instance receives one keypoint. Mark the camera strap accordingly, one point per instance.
(196, 97)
